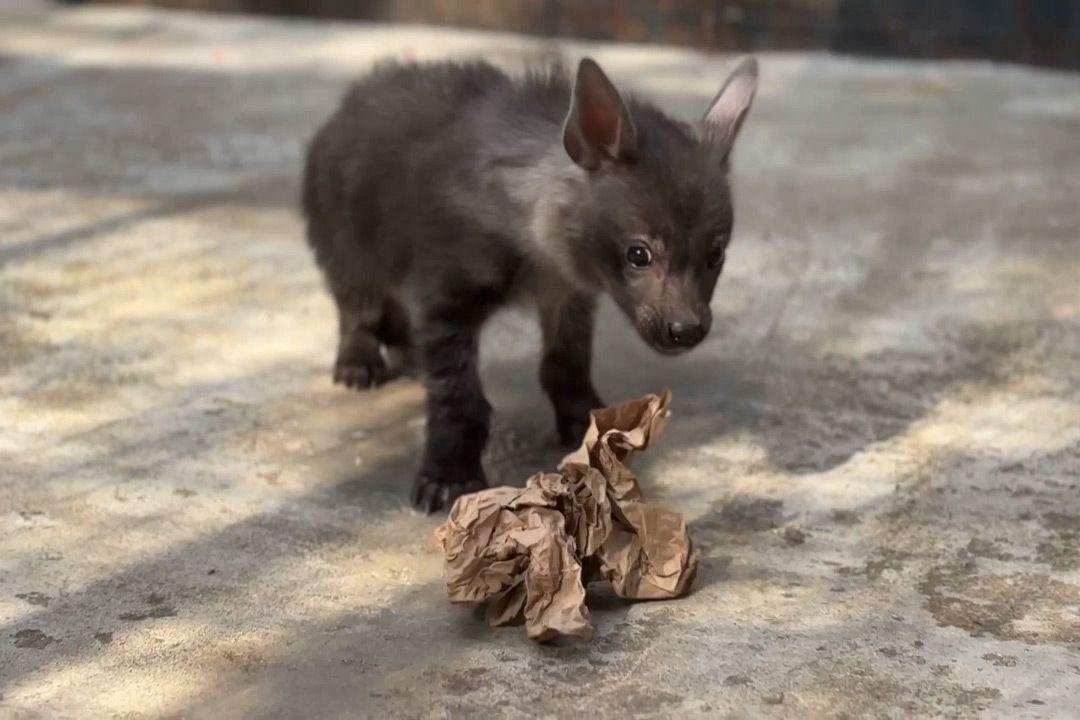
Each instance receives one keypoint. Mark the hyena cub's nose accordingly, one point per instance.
(686, 334)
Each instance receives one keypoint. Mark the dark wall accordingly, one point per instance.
(1042, 32)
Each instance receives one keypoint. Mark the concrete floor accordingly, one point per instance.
(194, 522)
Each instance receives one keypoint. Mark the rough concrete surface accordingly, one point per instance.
(878, 447)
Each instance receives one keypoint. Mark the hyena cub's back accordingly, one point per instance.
(377, 129)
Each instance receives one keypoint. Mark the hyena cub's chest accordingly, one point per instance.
(541, 283)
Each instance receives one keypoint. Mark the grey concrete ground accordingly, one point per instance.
(194, 522)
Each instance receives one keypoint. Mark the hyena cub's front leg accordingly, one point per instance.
(565, 370)
(458, 415)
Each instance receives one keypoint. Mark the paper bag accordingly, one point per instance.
(522, 550)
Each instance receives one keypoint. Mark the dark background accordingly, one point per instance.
(1039, 32)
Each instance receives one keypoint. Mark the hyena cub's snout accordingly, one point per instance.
(674, 330)
(686, 333)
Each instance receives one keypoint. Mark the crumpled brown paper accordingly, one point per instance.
(529, 552)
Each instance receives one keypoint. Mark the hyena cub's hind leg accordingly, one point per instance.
(367, 323)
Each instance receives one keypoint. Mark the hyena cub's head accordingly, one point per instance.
(655, 210)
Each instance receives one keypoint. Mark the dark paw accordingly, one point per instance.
(572, 422)
(571, 428)
(361, 375)
(431, 494)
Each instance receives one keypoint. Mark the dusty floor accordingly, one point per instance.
(195, 522)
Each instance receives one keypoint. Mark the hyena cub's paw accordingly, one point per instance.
(431, 493)
(361, 370)
(361, 376)
(571, 428)
(572, 421)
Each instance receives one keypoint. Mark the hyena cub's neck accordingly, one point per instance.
(549, 193)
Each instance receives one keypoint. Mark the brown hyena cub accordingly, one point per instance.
(436, 193)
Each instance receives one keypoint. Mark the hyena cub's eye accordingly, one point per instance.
(639, 256)
(716, 257)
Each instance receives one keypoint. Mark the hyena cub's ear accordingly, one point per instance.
(598, 126)
(728, 109)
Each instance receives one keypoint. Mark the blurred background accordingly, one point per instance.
(1039, 32)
